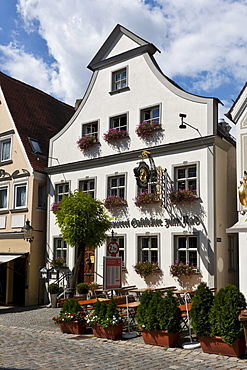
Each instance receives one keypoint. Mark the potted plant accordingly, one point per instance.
(145, 198)
(86, 142)
(202, 301)
(146, 268)
(53, 290)
(159, 318)
(93, 286)
(82, 288)
(146, 128)
(226, 335)
(113, 201)
(105, 320)
(179, 269)
(182, 196)
(58, 262)
(71, 318)
(114, 134)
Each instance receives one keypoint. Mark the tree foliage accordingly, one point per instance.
(82, 219)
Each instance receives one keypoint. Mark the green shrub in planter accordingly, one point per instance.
(82, 288)
(152, 322)
(71, 306)
(168, 314)
(142, 313)
(53, 288)
(199, 313)
(223, 316)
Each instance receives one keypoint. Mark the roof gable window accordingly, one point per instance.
(35, 146)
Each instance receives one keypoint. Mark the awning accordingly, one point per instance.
(238, 227)
(8, 257)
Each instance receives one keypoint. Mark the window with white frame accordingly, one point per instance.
(151, 114)
(5, 149)
(116, 186)
(62, 190)
(3, 197)
(88, 186)
(121, 252)
(186, 249)
(186, 177)
(20, 195)
(41, 196)
(148, 248)
(60, 248)
(90, 129)
(119, 79)
(119, 122)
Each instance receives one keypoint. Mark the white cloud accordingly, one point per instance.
(204, 40)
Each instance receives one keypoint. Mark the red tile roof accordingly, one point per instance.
(36, 115)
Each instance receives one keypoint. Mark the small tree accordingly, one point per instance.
(169, 314)
(142, 311)
(83, 223)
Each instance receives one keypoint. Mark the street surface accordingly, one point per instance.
(30, 340)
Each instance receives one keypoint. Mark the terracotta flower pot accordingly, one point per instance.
(217, 346)
(112, 332)
(160, 338)
(73, 327)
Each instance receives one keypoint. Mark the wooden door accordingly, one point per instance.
(86, 272)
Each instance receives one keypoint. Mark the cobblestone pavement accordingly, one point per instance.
(30, 340)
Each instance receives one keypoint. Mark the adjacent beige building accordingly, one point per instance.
(28, 119)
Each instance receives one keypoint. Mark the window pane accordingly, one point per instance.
(182, 256)
(144, 242)
(182, 243)
(192, 184)
(3, 198)
(181, 173)
(21, 196)
(114, 192)
(193, 258)
(121, 181)
(154, 256)
(153, 242)
(124, 75)
(121, 193)
(114, 182)
(5, 152)
(181, 185)
(192, 172)
(193, 243)
(118, 77)
(144, 255)
(156, 113)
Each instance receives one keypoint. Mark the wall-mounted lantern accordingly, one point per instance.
(27, 232)
(53, 273)
(43, 273)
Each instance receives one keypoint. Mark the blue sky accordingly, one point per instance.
(48, 44)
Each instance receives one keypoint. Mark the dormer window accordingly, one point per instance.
(35, 146)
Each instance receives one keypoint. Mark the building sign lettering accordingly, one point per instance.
(157, 222)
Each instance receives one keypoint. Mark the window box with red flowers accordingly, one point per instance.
(182, 196)
(146, 198)
(113, 201)
(86, 143)
(113, 135)
(145, 129)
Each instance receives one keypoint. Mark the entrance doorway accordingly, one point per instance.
(3, 269)
(86, 272)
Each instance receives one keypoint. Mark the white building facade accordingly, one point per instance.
(238, 115)
(127, 88)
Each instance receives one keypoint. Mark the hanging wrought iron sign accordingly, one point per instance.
(242, 190)
(145, 173)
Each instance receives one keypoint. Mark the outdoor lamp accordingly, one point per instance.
(27, 231)
(43, 273)
(53, 273)
(182, 125)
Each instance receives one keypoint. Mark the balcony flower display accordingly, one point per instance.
(182, 196)
(113, 201)
(55, 207)
(146, 198)
(58, 262)
(179, 269)
(146, 268)
(86, 142)
(146, 128)
(113, 135)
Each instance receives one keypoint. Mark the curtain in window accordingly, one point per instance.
(6, 150)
